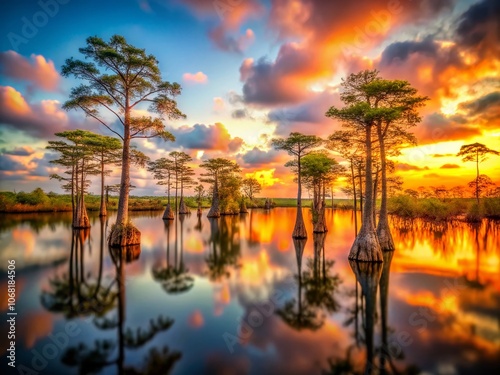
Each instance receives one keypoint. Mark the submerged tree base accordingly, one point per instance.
(124, 235)
(385, 239)
(82, 223)
(169, 213)
(366, 248)
(183, 209)
(214, 211)
(299, 231)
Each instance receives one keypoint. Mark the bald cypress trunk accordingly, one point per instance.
(320, 225)
(123, 233)
(354, 200)
(299, 230)
(82, 219)
(360, 177)
(168, 214)
(383, 231)
(214, 208)
(183, 209)
(366, 247)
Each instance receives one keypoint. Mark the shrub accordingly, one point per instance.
(34, 198)
(475, 213)
(229, 207)
(492, 207)
(404, 206)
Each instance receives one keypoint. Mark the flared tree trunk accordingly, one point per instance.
(366, 247)
(383, 231)
(214, 208)
(82, 219)
(299, 230)
(168, 214)
(320, 225)
(198, 211)
(123, 233)
(183, 209)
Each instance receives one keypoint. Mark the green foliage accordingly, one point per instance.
(34, 198)
(407, 206)
(404, 206)
(7, 199)
(229, 206)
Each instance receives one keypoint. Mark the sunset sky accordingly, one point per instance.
(252, 70)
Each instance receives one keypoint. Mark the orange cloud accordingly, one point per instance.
(324, 34)
(198, 77)
(13, 101)
(37, 119)
(36, 70)
(206, 137)
(230, 16)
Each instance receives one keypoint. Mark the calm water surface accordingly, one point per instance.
(236, 295)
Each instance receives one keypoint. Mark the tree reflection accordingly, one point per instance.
(94, 358)
(297, 312)
(319, 283)
(370, 276)
(174, 278)
(225, 247)
(479, 246)
(35, 221)
(316, 288)
(77, 292)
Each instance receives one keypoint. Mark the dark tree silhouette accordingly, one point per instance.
(476, 152)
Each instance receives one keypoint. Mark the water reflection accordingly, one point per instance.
(436, 303)
(76, 294)
(225, 247)
(174, 278)
(316, 288)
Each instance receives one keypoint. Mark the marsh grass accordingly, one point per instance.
(441, 210)
(404, 206)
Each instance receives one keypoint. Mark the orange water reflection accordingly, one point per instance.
(444, 289)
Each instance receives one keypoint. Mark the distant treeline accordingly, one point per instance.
(425, 205)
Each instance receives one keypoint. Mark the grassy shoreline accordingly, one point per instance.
(404, 206)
